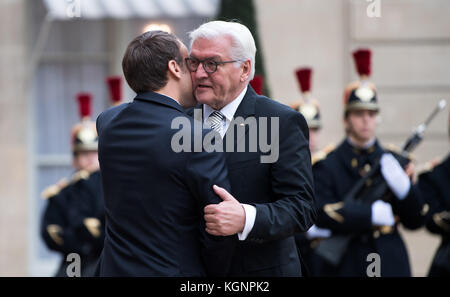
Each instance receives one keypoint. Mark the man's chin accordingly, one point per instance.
(365, 138)
(202, 99)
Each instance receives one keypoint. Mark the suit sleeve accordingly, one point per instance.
(292, 208)
(333, 213)
(98, 124)
(203, 171)
(107, 116)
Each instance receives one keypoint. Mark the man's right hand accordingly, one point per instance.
(225, 218)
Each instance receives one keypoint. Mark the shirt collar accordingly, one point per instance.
(366, 146)
(158, 97)
(228, 110)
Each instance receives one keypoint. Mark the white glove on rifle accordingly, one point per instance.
(395, 176)
(382, 214)
(316, 232)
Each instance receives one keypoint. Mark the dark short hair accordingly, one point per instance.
(145, 63)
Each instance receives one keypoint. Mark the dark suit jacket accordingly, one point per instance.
(282, 192)
(154, 197)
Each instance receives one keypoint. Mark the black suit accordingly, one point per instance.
(282, 192)
(154, 197)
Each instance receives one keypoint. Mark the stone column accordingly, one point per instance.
(13, 144)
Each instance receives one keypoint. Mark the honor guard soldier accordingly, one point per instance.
(115, 89)
(73, 221)
(435, 189)
(369, 227)
(309, 108)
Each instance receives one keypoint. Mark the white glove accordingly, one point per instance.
(395, 176)
(316, 232)
(382, 214)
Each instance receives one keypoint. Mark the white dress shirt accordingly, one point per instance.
(228, 111)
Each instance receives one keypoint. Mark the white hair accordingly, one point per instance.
(243, 46)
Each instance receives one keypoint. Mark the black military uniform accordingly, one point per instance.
(309, 108)
(336, 175)
(435, 188)
(73, 221)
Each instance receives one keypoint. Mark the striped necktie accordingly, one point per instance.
(215, 121)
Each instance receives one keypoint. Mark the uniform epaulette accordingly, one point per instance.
(322, 154)
(54, 190)
(81, 174)
(395, 149)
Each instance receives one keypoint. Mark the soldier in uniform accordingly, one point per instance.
(73, 221)
(309, 108)
(373, 226)
(435, 189)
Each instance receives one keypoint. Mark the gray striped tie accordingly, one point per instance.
(215, 121)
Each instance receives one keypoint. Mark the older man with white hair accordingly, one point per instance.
(269, 202)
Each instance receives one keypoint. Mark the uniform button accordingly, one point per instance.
(376, 234)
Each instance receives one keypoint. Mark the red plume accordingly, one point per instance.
(84, 102)
(257, 83)
(304, 78)
(362, 61)
(115, 88)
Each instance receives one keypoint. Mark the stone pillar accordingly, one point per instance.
(13, 144)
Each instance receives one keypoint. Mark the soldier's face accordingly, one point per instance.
(219, 88)
(361, 124)
(86, 161)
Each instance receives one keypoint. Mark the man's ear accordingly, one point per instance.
(174, 68)
(246, 69)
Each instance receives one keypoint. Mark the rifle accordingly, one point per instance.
(332, 249)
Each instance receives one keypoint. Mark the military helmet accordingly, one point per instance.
(361, 94)
(257, 84)
(115, 89)
(307, 106)
(84, 135)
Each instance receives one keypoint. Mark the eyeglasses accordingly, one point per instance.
(209, 65)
